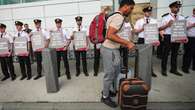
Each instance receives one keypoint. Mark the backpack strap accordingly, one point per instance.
(96, 28)
(114, 14)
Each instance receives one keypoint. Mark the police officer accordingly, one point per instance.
(189, 48)
(23, 60)
(7, 61)
(80, 52)
(139, 26)
(38, 54)
(27, 29)
(63, 53)
(166, 24)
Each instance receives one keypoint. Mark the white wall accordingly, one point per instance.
(48, 11)
(68, 9)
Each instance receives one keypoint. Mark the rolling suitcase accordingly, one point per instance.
(133, 92)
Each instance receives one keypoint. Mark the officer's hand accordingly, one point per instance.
(156, 43)
(131, 46)
(186, 40)
(170, 23)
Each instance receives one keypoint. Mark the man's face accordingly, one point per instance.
(58, 25)
(26, 26)
(38, 25)
(128, 9)
(175, 9)
(2, 30)
(79, 23)
(19, 27)
(148, 14)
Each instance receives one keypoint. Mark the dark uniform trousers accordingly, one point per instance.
(38, 56)
(7, 66)
(173, 47)
(140, 41)
(25, 64)
(63, 54)
(124, 54)
(160, 47)
(84, 61)
(96, 59)
(189, 54)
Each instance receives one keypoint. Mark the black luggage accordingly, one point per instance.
(133, 92)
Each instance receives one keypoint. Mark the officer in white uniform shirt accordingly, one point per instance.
(139, 26)
(38, 54)
(24, 61)
(7, 61)
(165, 25)
(64, 52)
(80, 52)
(189, 48)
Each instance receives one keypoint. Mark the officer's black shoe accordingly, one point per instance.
(193, 68)
(23, 77)
(154, 75)
(5, 78)
(59, 75)
(68, 77)
(112, 94)
(164, 73)
(185, 70)
(13, 78)
(86, 74)
(108, 101)
(176, 73)
(29, 77)
(77, 74)
(95, 74)
(37, 77)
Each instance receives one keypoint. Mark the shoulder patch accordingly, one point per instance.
(165, 14)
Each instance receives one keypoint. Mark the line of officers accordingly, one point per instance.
(25, 61)
(166, 46)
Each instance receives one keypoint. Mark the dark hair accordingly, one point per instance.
(126, 2)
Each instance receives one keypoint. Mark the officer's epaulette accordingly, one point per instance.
(165, 14)
(186, 17)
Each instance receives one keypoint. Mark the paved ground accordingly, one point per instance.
(90, 106)
(76, 93)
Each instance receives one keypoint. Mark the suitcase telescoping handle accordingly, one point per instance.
(136, 67)
(136, 71)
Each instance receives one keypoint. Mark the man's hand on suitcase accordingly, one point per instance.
(131, 46)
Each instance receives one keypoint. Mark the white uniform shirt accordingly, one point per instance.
(9, 37)
(45, 33)
(82, 28)
(22, 34)
(76, 29)
(166, 20)
(191, 31)
(126, 34)
(140, 23)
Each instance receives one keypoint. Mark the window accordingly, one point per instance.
(7, 2)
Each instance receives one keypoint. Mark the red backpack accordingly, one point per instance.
(97, 29)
